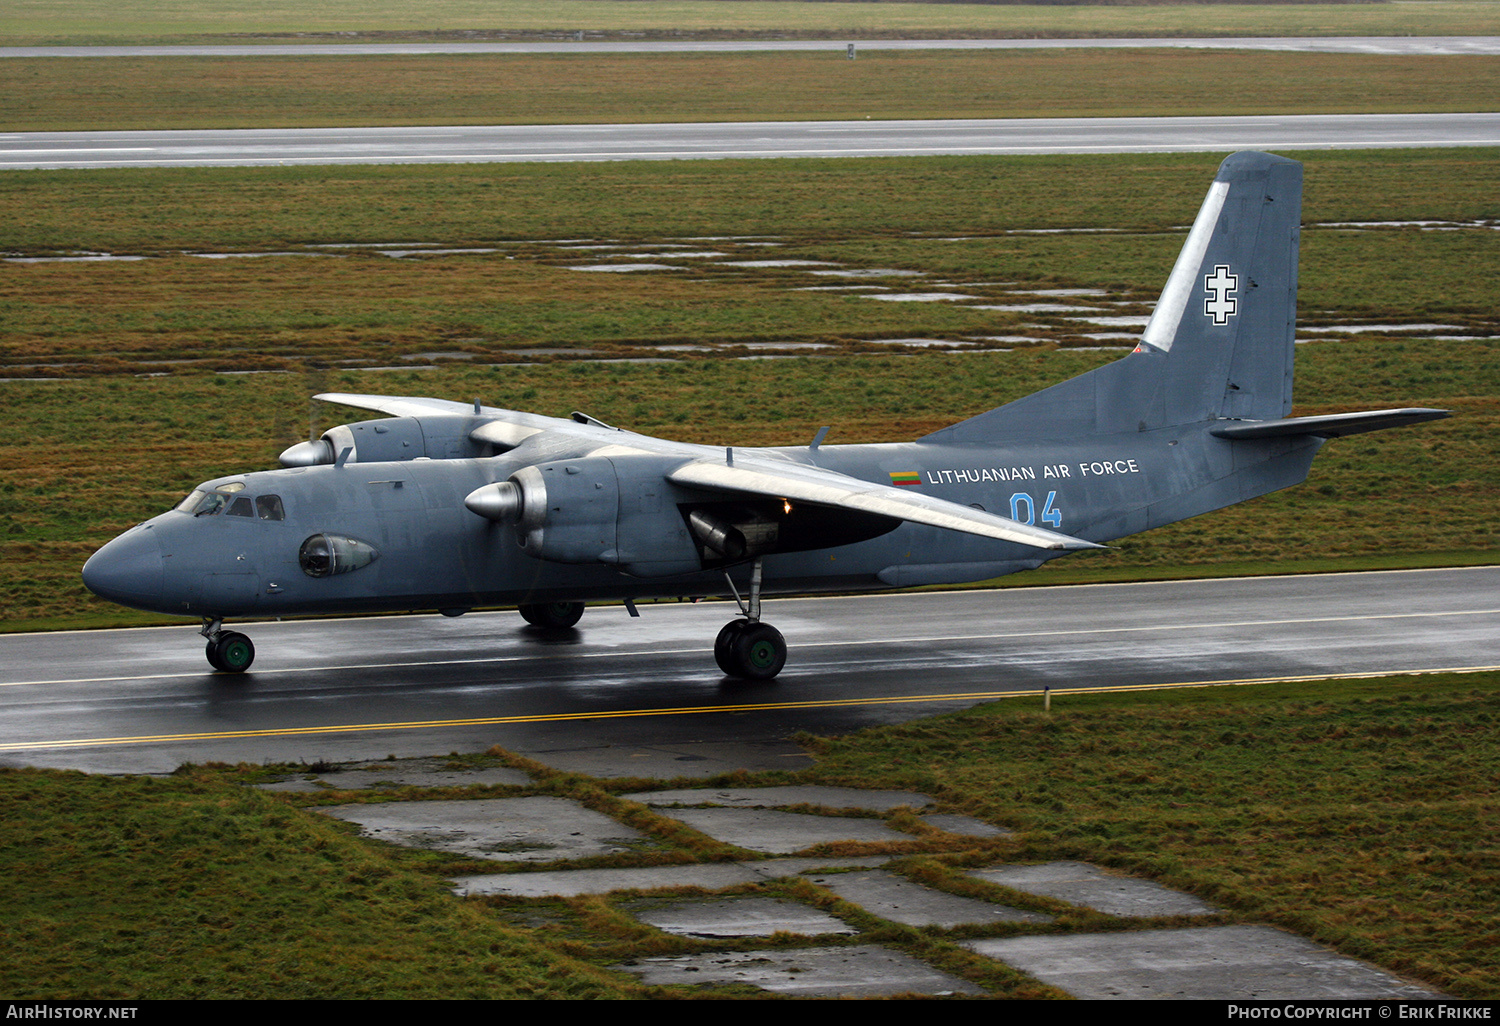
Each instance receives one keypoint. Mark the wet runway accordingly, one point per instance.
(624, 696)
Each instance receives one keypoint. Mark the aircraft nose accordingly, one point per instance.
(128, 570)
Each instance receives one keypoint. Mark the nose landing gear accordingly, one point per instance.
(746, 647)
(227, 651)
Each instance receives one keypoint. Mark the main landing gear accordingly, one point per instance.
(552, 615)
(227, 651)
(746, 647)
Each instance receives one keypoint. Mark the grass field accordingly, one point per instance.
(76, 94)
(32, 22)
(1359, 814)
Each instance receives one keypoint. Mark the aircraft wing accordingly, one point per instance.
(504, 429)
(398, 405)
(795, 481)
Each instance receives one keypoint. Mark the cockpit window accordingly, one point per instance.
(268, 507)
(204, 504)
(227, 500)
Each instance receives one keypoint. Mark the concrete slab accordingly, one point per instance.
(965, 826)
(736, 917)
(1215, 963)
(858, 971)
(714, 876)
(503, 829)
(419, 773)
(900, 900)
(683, 758)
(1082, 884)
(774, 797)
(785, 832)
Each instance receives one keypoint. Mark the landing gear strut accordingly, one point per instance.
(552, 615)
(746, 647)
(227, 651)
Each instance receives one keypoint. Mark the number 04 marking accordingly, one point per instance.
(1051, 515)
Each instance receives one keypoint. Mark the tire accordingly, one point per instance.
(213, 658)
(232, 652)
(552, 615)
(759, 652)
(724, 647)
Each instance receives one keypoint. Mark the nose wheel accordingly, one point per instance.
(227, 651)
(747, 647)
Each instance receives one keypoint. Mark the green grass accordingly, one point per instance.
(75, 94)
(190, 887)
(152, 21)
(161, 210)
(1360, 814)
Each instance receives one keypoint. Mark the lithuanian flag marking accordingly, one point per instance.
(905, 477)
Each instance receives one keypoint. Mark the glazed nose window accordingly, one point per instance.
(325, 555)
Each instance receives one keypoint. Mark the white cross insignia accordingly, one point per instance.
(1219, 306)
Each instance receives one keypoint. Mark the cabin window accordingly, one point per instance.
(239, 507)
(268, 507)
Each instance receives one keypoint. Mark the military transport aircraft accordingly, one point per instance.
(446, 506)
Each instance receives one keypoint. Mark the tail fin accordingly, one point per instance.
(1220, 342)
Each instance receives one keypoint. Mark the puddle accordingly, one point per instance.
(1354, 329)
(779, 263)
(1033, 308)
(784, 345)
(872, 272)
(921, 343)
(624, 268)
(922, 297)
(1115, 322)
(398, 253)
(252, 256)
(86, 258)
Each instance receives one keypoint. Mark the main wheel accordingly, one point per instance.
(759, 652)
(724, 646)
(231, 652)
(552, 615)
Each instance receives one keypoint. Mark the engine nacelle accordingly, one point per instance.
(570, 510)
(388, 440)
(618, 510)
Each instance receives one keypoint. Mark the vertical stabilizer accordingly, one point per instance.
(1220, 342)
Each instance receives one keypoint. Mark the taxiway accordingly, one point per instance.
(621, 696)
(439, 144)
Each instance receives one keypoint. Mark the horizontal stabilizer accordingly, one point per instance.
(829, 488)
(1333, 425)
